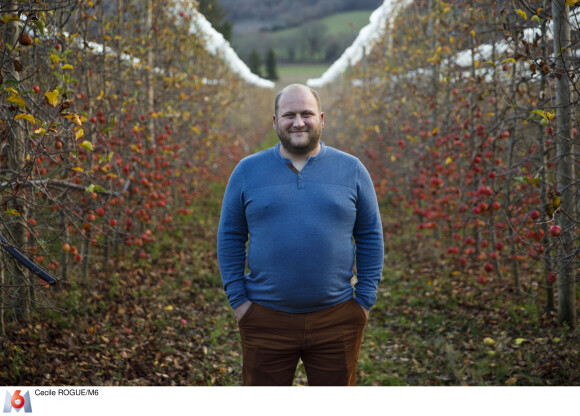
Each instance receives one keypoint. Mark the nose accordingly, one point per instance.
(298, 121)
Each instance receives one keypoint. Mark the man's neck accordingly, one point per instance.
(298, 161)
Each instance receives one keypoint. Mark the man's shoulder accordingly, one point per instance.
(340, 158)
(340, 154)
(258, 156)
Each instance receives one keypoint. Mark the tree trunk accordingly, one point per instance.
(16, 153)
(565, 169)
(150, 75)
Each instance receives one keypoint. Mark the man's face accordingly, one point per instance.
(299, 121)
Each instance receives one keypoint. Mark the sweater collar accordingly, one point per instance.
(279, 156)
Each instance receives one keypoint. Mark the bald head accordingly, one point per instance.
(296, 87)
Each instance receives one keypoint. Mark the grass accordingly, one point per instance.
(298, 73)
(347, 22)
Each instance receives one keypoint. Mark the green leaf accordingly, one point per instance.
(87, 145)
(39, 26)
(95, 188)
(522, 179)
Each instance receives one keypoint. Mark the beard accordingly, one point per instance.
(300, 147)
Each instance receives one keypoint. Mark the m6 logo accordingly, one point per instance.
(17, 402)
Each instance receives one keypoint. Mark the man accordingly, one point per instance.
(300, 204)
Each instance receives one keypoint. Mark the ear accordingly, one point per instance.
(322, 119)
(274, 121)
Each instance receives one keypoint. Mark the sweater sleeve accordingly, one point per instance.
(232, 239)
(368, 236)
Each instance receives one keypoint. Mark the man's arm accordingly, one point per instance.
(368, 235)
(232, 238)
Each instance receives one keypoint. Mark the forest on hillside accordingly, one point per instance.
(282, 14)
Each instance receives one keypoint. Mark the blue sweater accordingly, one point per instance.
(300, 227)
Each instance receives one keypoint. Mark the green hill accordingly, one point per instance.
(316, 41)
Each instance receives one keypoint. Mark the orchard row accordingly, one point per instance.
(115, 123)
(476, 157)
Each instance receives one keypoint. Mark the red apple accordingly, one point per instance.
(555, 230)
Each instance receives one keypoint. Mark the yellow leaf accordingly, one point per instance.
(522, 14)
(19, 101)
(87, 145)
(488, 341)
(80, 133)
(536, 18)
(40, 131)
(519, 341)
(111, 175)
(377, 129)
(451, 39)
(12, 90)
(52, 97)
(448, 161)
(572, 2)
(446, 9)
(74, 118)
(77, 169)
(67, 66)
(26, 117)
(10, 18)
(168, 308)
(393, 158)
(511, 381)
(472, 33)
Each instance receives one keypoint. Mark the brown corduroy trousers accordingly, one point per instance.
(327, 342)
